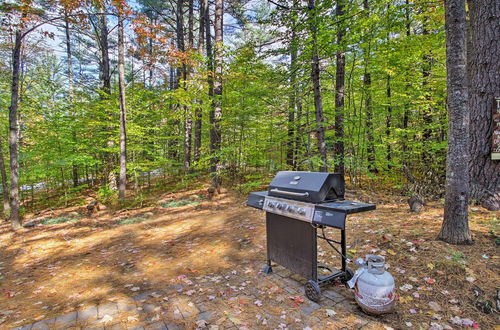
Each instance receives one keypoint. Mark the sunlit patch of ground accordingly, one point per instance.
(49, 270)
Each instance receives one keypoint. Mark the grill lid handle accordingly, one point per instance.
(290, 193)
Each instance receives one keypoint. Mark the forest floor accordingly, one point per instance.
(207, 255)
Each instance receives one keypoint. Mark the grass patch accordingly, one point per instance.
(54, 221)
(182, 202)
(129, 221)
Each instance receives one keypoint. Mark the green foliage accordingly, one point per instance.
(182, 202)
(53, 221)
(76, 136)
(129, 221)
(105, 195)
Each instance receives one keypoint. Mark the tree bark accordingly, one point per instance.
(367, 84)
(290, 147)
(69, 62)
(216, 113)
(14, 133)
(484, 86)
(5, 185)
(339, 92)
(104, 45)
(455, 228)
(198, 111)
(122, 185)
(315, 77)
(427, 111)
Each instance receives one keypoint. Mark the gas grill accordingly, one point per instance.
(297, 205)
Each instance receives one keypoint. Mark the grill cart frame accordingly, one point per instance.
(292, 239)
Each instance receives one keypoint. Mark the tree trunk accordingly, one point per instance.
(105, 77)
(5, 185)
(455, 229)
(315, 77)
(339, 92)
(427, 112)
(406, 113)
(14, 133)
(484, 86)
(70, 86)
(388, 123)
(104, 45)
(290, 148)
(122, 186)
(216, 113)
(198, 111)
(367, 84)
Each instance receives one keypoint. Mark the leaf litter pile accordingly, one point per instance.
(207, 256)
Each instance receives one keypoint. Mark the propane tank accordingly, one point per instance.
(373, 286)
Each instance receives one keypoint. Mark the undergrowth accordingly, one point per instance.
(53, 221)
(129, 221)
(182, 202)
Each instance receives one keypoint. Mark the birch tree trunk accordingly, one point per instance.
(122, 186)
(484, 87)
(315, 77)
(339, 92)
(216, 113)
(455, 228)
(14, 133)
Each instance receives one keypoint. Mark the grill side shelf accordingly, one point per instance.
(346, 206)
(334, 214)
(256, 199)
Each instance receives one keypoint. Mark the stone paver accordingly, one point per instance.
(106, 309)
(87, 314)
(66, 320)
(151, 312)
(156, 326)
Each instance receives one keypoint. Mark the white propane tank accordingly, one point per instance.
(373, 286)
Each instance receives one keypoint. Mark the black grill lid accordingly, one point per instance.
(313, 187)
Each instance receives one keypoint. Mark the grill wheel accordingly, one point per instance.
(313, 291)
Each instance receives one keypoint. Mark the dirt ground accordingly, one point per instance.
(194, 246)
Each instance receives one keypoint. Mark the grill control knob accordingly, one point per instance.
(280, 206)
(270, 205)
(301, 211)
(290, 209)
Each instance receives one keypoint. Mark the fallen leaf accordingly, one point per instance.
(434, 306)
(430, 266)
(106, 318)
(405, 299)
(330, 312)
(406, 287)
(201, 323)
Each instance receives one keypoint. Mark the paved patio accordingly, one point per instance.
(252, 301)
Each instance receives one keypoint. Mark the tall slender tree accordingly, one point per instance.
(455, 227)
(484, 87)
(122, 186)
(14, 130)
(315, 77)
(216, 112)
(339, 90)
(367, 85)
